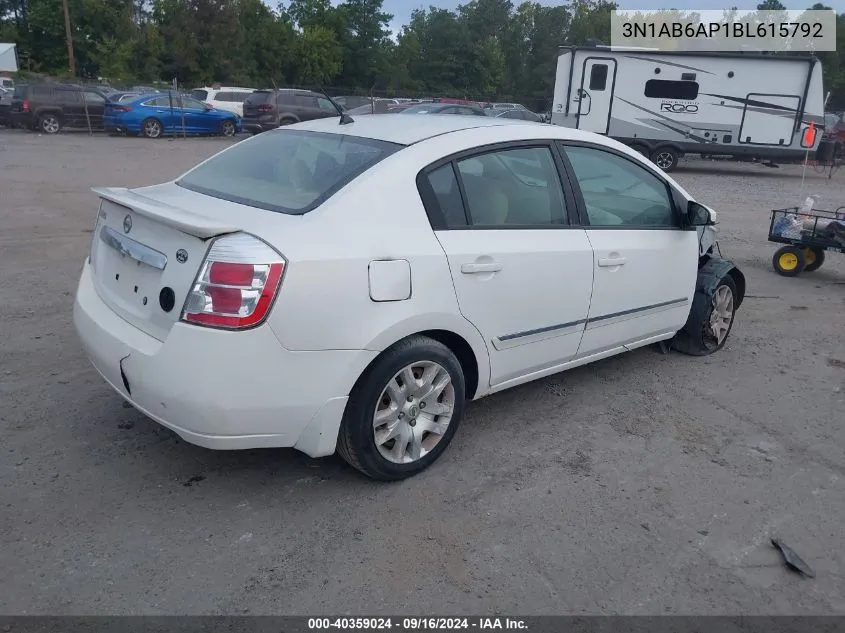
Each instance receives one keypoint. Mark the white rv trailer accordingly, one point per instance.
(666, 104)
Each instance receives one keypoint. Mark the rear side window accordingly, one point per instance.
(286, 171)
(447, 195)
(20, 91)
(304, 101)
(202, 95)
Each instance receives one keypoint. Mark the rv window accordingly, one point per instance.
(598, 77)
(663, 89)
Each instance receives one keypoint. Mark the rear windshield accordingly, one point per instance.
(287, 171)
(258, 97)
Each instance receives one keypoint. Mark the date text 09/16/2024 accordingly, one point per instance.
(415, 624)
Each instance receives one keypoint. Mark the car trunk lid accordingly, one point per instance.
(259, 103)
(145, 255)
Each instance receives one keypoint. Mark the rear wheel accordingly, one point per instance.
(666, 158)
(789, 261)
(815, 259)
(287, 121)
(404, 410)
(49, 123)
(152, 128)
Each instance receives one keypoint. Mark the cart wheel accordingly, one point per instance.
(814, 258)
(789, 261)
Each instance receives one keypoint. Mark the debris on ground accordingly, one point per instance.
(793, 560)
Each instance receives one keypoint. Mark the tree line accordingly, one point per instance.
(486, 49)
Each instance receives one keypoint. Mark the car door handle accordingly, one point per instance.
(612, 261)
(490, 267)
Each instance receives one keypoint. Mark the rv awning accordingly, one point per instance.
(8, 58)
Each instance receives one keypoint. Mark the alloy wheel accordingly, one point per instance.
(413, 412)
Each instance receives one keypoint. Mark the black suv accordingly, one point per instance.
(268, 109)
(50, 107)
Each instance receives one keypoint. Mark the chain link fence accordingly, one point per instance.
(87, 99)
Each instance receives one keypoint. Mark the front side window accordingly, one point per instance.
(325, 104)
(513, 186)
(619, 193)
(192, 104)
(286, 171)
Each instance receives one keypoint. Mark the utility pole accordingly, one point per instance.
(70, 61)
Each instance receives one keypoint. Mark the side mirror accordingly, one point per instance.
(699, 215)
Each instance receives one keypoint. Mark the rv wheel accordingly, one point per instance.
(666, 158)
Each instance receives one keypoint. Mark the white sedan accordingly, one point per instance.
(349, 286)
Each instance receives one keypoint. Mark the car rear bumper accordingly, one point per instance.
(21, 119)
(257, 126)
(217, 389)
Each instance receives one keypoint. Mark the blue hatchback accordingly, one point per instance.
(160, 114)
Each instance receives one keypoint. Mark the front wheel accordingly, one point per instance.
(227, 128)
(404, 410)
(666, 158)
(711, 329)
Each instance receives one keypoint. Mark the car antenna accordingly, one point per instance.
(345, 119)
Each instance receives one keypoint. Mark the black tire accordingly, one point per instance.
(228, 128)
(789, 261)
(287, 121)
(815, 259)
(50, 123)
(697, 337)
(356, 440)
(666, 158)
(149, 127)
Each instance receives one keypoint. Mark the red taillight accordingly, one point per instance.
(265, 107)
(121, 108)
(236, 285)
(25, 105)
(227, 274)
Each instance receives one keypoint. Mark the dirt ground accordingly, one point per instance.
(643, 484)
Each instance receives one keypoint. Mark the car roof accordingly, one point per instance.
(394, 128)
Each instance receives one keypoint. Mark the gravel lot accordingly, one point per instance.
(643, 484)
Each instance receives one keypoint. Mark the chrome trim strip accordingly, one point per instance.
(128, 247)
(541, 330)
(613, 315)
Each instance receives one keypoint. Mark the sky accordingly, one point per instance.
(401, 9)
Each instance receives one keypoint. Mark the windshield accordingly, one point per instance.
(286, 171)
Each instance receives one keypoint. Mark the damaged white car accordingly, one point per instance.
(350, 285)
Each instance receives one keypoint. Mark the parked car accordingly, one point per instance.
(445, 108)
(161, 114)
(268, 109)
(5, 106)
(229, 99)
(120, 97)
(517, 113)
(436, 263)
(51, 107)
(379, 107)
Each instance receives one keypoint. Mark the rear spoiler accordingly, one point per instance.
(180, 219)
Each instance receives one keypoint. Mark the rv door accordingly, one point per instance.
(596, 94)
